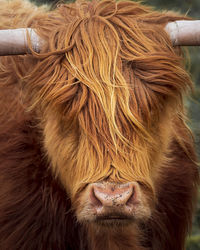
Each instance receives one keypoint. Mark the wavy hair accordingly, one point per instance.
(109, 76)
(103, 99)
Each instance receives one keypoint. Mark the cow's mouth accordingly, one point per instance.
(114, 219)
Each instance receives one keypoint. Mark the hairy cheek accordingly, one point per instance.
(61, 152)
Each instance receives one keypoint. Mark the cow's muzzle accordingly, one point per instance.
(113, 197)
(108, 203)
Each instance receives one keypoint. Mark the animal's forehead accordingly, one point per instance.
(118, 66)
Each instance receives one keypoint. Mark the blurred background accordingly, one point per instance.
(192, 9)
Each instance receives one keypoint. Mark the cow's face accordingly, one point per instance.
(108, 154)
(109, 104)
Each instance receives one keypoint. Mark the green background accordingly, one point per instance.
(191, 8)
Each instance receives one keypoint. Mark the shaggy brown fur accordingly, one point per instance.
(103, 100)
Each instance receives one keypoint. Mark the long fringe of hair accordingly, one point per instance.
(110, 68)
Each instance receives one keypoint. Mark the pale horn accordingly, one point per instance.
(184, 33)
(15, 41)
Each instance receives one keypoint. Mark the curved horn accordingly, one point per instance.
(184, 33)
(15, 41)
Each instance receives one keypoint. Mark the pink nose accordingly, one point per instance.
(111, 196)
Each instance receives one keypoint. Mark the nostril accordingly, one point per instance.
(131, 199)
(94, 199)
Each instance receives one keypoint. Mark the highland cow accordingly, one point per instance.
(94, 150)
